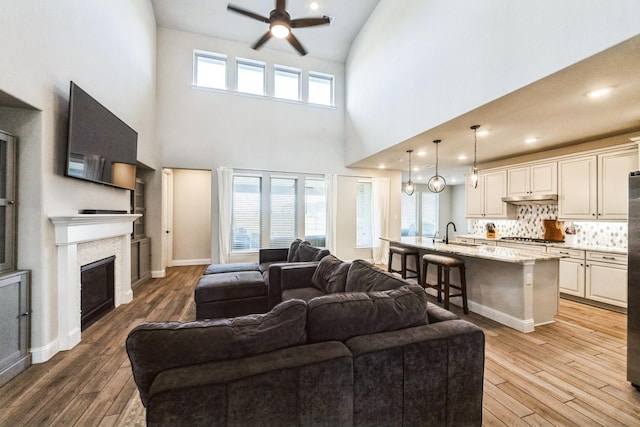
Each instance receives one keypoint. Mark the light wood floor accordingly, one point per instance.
(572, 372)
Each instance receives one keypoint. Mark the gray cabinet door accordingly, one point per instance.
(14, 324)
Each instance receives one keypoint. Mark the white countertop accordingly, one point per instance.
(494, 253)
(555, 245)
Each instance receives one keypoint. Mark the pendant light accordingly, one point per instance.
(409, 187)
(437, 183)
(474, 175)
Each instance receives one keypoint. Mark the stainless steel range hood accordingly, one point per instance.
(541, 199)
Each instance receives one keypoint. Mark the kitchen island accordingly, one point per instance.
(516, 288)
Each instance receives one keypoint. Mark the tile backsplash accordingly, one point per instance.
(529, 224)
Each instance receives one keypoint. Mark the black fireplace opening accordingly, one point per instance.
(97, 290)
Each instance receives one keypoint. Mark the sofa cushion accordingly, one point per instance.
(366, 277)
(292, 255)
(306, 252)
(331, 275)
(305, 294)
(191, 343)
(341, 316)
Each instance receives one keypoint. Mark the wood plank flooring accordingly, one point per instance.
(569, 373)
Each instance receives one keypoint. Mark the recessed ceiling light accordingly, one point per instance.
(453, 180)
(483, 133)
(416, 168)
(462, 157)
(530, 140)
(421, 153)
(599, 92)
(381, 166)
(314, 5)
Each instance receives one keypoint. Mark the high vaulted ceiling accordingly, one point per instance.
(554, 110)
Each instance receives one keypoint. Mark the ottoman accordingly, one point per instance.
(232, 268)
(230, 294)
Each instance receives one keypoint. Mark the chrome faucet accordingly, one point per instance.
(434, 236)
(446, 233)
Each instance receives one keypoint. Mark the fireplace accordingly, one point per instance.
(96, 290)
(81, 240)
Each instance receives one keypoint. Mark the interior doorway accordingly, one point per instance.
(186, 217)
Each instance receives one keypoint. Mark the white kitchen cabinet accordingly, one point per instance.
(485, 201)
(577, 192)
(595, 186)
(613, 183)
(570, 271)
(606, 278)
(533, 180)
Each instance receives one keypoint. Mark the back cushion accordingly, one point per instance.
(365, 277)
(155, 347)
(331, 275)
(338, 317)
(307, 252)
(293, 251)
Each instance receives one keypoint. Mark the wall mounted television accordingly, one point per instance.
(100, 147)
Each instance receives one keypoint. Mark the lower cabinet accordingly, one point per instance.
(15, 311)
(595, 276)
(140, 261)
(606, 278)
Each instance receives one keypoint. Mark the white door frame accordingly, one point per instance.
(167, 218)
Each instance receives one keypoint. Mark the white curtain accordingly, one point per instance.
(380, 218)
(331, 181)
(225, 195)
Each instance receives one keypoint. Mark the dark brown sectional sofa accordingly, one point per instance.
(367, 358)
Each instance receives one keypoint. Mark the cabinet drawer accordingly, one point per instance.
(607, 257)
(464, 239)
(572, 253)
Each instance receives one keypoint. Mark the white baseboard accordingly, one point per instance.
(158, 274)
(42, 354)
(187, 262)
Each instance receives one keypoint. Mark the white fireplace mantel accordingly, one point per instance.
(74, 230)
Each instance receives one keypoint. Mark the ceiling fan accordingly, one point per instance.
(280, 24)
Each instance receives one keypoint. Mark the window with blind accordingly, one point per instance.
(250, 77)
(286, 83)
(364, 215)
(246, 213)
(419, 214)
(283, 212)
(210, 70)
(315, 212)
(273, 209)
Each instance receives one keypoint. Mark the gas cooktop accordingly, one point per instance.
(531, 239)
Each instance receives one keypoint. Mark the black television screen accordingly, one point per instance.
(101, 147)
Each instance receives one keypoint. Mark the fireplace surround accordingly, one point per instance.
(80, 240)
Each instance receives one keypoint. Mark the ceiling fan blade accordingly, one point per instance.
(280, 5)
(262, 41)
(310, 22)
(296, 44)
(247, 13)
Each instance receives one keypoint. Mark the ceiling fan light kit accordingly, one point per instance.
(280, 24)
(409, 187)
(437, 183)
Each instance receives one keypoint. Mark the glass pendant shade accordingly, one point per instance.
(474, 176)
(437, 183)
(409, 187)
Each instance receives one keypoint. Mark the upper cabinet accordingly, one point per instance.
(596, 186)
(485, 201)
(533, 180)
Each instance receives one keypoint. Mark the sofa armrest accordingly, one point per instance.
(273, 255)
(437, 314)
(283, 276)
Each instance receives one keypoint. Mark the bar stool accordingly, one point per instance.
(445, 264)
(404, 253)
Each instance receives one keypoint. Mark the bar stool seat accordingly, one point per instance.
(444, 285)
(404, 253)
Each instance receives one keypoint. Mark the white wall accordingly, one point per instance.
(106, 47)
(419, 63)
(191, 217)
(204, 129)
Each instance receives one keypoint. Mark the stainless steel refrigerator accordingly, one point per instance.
(633, 310)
